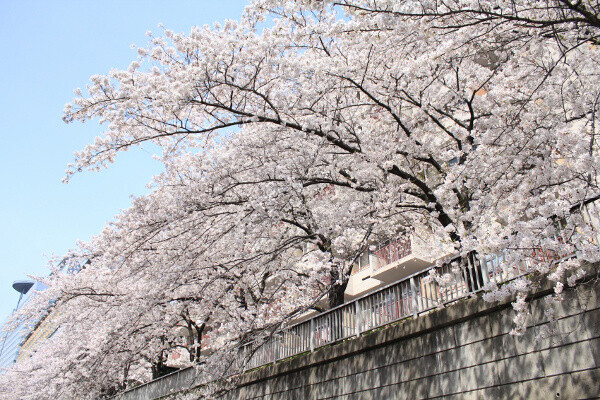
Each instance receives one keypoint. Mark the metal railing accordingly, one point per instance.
(174, 382)
(409, 297)
(392, 251)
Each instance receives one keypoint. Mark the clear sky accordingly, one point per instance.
(47, 49)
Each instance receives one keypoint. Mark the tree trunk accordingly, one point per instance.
(160, 369)
(337, 289)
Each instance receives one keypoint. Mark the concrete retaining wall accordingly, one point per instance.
(462, 351)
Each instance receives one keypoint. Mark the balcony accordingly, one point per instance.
(398, 258)
(393, 260)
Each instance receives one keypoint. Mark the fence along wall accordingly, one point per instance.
(464, 351)
(409, 297)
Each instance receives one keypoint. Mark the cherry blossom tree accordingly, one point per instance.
(295, 139)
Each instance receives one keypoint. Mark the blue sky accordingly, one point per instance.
(48, 49)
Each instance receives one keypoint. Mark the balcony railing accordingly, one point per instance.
(392, 251)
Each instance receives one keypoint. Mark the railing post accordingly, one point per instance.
(312, 334)
(483, 266)
(357, 317)
(413, 289)
(373, 261)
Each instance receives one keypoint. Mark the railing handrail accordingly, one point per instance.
(151, 381)
(367, 294)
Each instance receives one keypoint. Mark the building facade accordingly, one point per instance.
(13, 338)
